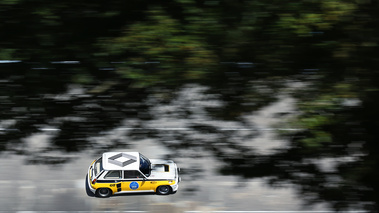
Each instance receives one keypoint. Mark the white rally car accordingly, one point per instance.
(131, 172)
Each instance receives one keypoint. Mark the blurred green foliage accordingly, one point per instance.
(331, 45)
(161, 40)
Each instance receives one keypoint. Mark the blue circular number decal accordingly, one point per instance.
(133, 185)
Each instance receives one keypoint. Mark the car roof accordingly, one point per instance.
(121, 160)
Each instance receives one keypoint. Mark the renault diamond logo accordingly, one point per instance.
(122, 159)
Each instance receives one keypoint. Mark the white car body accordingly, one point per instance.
(131, 172)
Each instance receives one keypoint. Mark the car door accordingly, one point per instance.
(113, 178)
(134, 181)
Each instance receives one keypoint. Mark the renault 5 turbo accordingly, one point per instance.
(131, 172)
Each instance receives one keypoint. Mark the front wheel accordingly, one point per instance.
(103, 192)
(164, 190)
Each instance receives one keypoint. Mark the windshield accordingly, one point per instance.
(144, 165)
(98, 167)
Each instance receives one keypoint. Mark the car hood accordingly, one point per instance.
(162, 169)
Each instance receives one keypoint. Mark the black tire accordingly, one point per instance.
(164, 190)
(103, 192)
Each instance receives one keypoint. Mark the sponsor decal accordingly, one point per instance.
(119, 187)
(134, 185)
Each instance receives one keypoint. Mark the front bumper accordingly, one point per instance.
(177, 180)
(175, 187)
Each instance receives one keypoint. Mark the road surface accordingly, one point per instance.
(37, 187)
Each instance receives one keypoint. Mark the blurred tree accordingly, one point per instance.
(176, 53)
(328, 44)
(332, 44)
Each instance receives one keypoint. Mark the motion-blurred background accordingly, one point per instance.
(266, 105)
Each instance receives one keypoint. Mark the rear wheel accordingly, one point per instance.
(103, 192)
(164, 190)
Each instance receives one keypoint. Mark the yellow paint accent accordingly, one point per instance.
(143, 185)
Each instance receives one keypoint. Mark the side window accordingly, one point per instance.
(98, 167)
(113, 175)
(132, 174)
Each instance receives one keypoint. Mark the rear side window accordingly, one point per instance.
(113, 175)
(98, 167)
